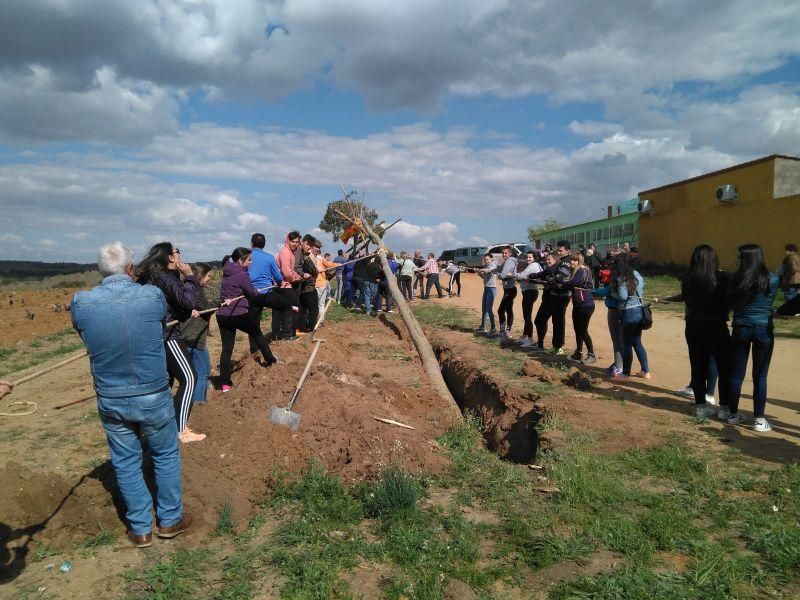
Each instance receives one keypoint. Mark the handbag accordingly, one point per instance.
(647, 316)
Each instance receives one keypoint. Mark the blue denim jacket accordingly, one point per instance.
(627, 301)
(121, 323)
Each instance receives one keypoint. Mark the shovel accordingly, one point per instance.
(285, 416)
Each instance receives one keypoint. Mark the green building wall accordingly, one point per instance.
(607, 233)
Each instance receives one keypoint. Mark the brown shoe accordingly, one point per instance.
(141, 541)
(177, 529)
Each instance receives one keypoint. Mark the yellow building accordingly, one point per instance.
(757, 202)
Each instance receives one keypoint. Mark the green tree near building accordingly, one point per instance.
(537, 231)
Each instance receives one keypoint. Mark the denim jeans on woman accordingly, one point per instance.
(762, 341)
(151, 417)
(202, 367)
(631, 325)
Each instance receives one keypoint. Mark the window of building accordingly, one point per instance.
(605, 233)
(581, 238)
(617, 231)
(627, 229)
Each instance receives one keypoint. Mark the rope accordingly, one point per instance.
(20, 414)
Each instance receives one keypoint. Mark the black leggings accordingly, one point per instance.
(581, 315)
(227, 332)
(528, 298)
(505, 312)
(180, 367)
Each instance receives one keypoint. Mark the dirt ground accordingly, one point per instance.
(669, 365)
(57, 489)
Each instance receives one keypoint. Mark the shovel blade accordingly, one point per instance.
(280, 415)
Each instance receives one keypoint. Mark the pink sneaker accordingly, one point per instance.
(188, 436)
(643, 375)
(225, 389)
(620, 377)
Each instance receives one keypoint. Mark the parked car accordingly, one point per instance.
(517, 249)
(446, 255)
(470, 257)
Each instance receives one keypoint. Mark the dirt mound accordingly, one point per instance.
(359, 373)
(354, 379)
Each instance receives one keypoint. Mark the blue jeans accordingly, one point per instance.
(487, 306)
(202, 366)
(791, 293)
(631, 324)
(762, 341)
(371, 301)
(152, 417)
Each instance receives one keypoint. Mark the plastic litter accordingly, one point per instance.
(66, 566)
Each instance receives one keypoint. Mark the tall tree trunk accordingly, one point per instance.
(421, 343)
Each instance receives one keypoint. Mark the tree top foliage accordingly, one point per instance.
(548, 225)
(335, 224)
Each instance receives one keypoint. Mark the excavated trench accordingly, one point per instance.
(508, 420)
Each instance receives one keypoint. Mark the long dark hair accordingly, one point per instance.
(200, 270)
(701, 278)
(623, 269)
(750, 279)
(237, 255)
(154, 263)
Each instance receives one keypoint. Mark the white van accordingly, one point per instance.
(517, 249)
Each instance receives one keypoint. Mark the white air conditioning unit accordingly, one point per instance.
(727, 194)
(646, 207)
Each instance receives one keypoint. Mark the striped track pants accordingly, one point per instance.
(179, 366)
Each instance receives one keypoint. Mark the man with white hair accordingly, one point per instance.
(121, 323)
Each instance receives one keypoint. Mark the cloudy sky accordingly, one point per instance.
(201, 121)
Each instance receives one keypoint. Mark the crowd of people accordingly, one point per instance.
(716, 353)
(145, 327)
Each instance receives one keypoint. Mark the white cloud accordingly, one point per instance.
(118, 71)
(408, 236)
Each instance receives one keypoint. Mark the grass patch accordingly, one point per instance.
(42, 551)
(104, 538)
(449, 317)
(225, 525)
(393, 496)
(177, 577)
(40, 350)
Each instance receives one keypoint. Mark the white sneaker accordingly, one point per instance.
(704, 410)
(762, 425)
(528, 343)
(723, 413)
(736, 418)
(686, 392)
(521, 340)
(710, 400)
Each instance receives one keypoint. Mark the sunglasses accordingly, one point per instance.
(176, 251)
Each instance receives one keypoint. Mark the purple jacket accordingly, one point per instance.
(181, 299)
(582, 286)
(235, 282)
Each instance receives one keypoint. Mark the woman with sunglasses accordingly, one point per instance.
(163, 267)
(751, 293)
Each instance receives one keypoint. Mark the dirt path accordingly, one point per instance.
(669, 364)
